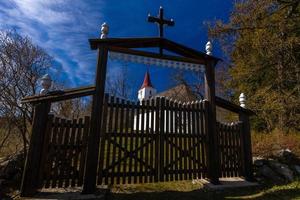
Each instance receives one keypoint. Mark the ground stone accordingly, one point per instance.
(259, 161)
(282, 169)
(297, 169)
(269, 173)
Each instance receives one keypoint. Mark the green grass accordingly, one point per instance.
(187, 191)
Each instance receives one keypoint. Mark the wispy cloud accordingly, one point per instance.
(62, 28)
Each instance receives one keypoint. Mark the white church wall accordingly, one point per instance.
(166, 123)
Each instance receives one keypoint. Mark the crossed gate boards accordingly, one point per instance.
(156, 140)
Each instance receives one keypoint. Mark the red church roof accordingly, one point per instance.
(147, 81)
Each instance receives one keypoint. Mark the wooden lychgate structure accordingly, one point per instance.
(176, 141)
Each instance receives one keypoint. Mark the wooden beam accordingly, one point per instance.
(247, 147)
(125, 42)
(152, 42)
(89, 186)
(60, 95)
(223, 103)
(30, 179)
(213, 152)
(155, 55)
(186, 51)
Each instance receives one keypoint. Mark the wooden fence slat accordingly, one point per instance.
(45, 170)
(152, 147)
(157, 112)
(202, 145)
(194, 140)
(177, 153)
(132, 115)
(103, 139)
(60, 155)
(77, 151)
(114, 150)
(172, 132)
(165, 143)
(190, 147)
(121, 131)
(136, 144)
(67, 158)
(161, 138)
(147, 138)
(141, 140)
(126, 129)
(83, 149)
(52, 153)
(108, 150)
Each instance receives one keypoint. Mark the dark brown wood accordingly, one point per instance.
(114, 146)
(132, 112)
(213, 152)
(184, 131)
(96, 119)
(155, 55)
(153, 144)
(72, 166)
(30, 177)
(51, 157)
(125, 42)
(86, 130)
(176, 132)
(157, 141)
(148, 172)
(141, 139)
(161, 131)
(103, 139)
(121, 131)
(223, 103)
(189, 142)
(137, 129)
(195, 133)
(45, 152)
(108, 134)
(247, 151)
(127, 111)
(172, 131)
(66, 164)
(161, 21)
(167, 146)
(60, 95)
(153, 42)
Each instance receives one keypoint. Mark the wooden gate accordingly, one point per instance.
(230, 149)
(64, 152)
(155, 140)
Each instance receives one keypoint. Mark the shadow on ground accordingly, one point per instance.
(249, 193)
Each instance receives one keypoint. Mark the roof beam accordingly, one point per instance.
(155, 55)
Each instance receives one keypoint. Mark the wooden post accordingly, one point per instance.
(89, 186)
(213, 152)
(30, 178)
(161, 137)
(247, 151)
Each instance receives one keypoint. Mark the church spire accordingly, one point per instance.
(147, 81)
(147, 90)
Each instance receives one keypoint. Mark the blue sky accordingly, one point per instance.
(63, 27)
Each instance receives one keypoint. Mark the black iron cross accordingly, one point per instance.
(161, 21)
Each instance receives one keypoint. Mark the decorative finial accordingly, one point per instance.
(242, 100)
(208, 48)
(104, 30)
(46, 83)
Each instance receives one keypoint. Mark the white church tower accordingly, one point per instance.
(147, 90)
